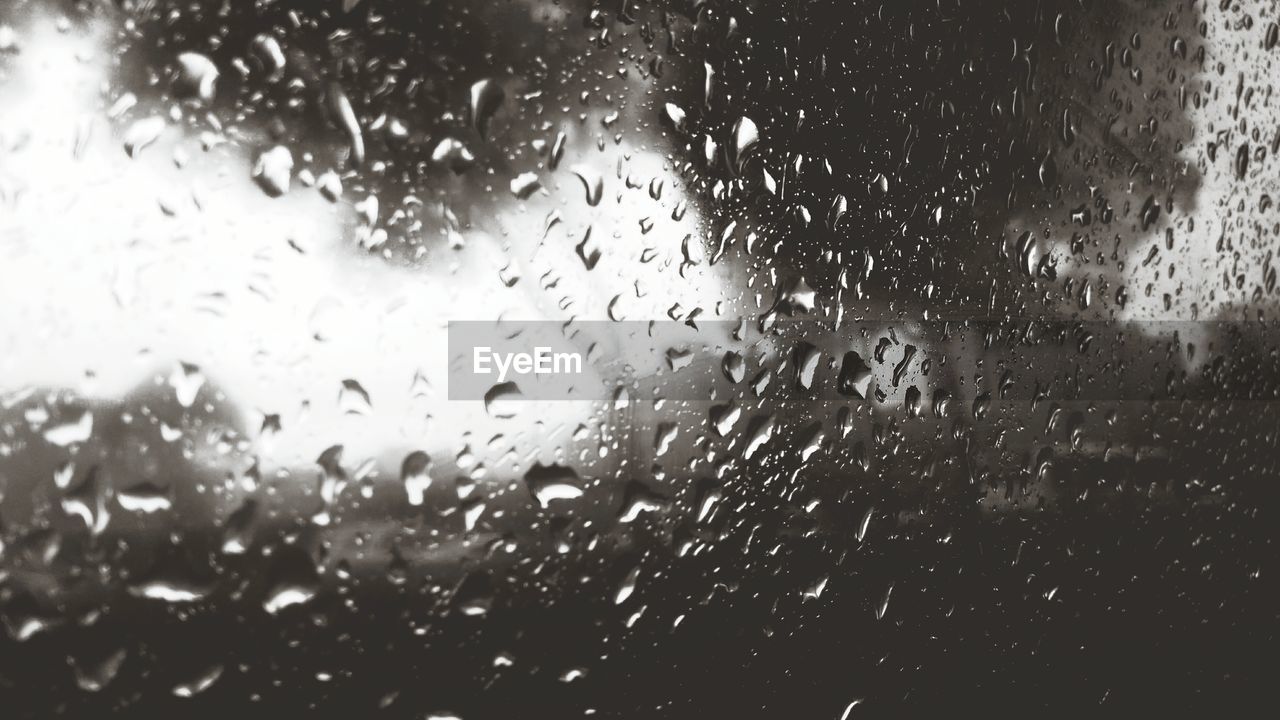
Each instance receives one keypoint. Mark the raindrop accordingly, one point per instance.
(340, 106)
(855, 376)
(295, 582)
(273, 169)
(592, 182)
(200, 683)
(745, 137)
(807, 357)
(486, 97)
(414, 475)
(759, 432)
(197, 77)
(142, 133)
(734, 367)
(814, 591)
(524, 185)
(237, 532)
(675, 117)
(552, 482)
(269, 55)
(330, 186)
(169, 591)
(145, 498)
(88, 501)
(186, 381)
(70, 432)
(883, 607)
(353, 399)
(501, 400)
(663, 437)
(1242, 161)
(286, 596)
(452, 153)
(724, 417)
(96, 676)
(627, 586)
(866, 522)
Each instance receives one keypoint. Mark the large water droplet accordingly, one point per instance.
(552, 482)
(142, 133)
(592, 182)
(414, 474)
(197, 77)
(486, 97)
(273, 170)
(745, 137)
(502, 400)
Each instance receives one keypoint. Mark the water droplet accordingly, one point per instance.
(814, 591)
(266, 49)
(452, 153)
(69, 432)
(734, 367)
(640, 499)
(724, 417)
(1242, 161)
(839, 206)
(142, 133)
(197, 77)
(88, 501)
(807, 357)
(573, 674)
(883, 607)
(855, 376)
(414, 473)
(237, 532)
(286, 596)
(745, 137)
(525, 184)
(848, 709)
(145, 498)
(186, 381)
(295, 582)
(199, 683)
(675, 117)
(340, 106)
(486, 97)
(169, 590)
(273, 170)
(759, 432)
(552, 482)
(95, 676)
(502, 400)
(627, 586)
(866, 522)
(353, 399)
(592, 182)
(330, 186)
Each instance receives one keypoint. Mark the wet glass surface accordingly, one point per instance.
(929, 357)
